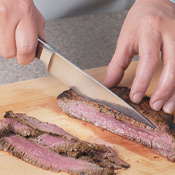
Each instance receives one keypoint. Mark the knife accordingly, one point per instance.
(82, 83)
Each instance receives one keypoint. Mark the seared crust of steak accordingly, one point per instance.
(53, 140)
(161, 139)
(162, 121)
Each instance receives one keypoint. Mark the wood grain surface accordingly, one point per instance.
(37, 98)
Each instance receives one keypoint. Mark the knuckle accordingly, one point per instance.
(167, 87)
(122, 65)
(150, 59)
(153, 20)
(171, 77)
(115, 66)
(26, 50)
(163, 92)
(141, 82)
(3, 12)
(26, 6)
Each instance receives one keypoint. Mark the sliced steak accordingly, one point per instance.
(10, 125)
(161, 140)
(38, 125)
(57, 142)
(98, 154)
(52, 142)
(44, 158)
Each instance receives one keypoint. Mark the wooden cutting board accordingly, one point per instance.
(37, 98)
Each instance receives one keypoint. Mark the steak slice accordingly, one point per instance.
(57, 141)
(38, 125)
(99, 154)
(10, 125)
(161, 139)
(53, 142)
(45, 158)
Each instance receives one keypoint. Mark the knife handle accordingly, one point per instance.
(44, 52)
(42, 44)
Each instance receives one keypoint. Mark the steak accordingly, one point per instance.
(53, 142)
(100, 154)
(9, 125)
(161, 139)
(38, 125)
(41, 144)
(43, 157)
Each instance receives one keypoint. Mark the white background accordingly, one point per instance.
(52, 9)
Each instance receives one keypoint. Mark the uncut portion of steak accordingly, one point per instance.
(21, 134)
(161, 140)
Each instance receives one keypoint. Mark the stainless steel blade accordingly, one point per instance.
(83, 83)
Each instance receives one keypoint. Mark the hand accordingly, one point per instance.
(148, 29)
(20, 25)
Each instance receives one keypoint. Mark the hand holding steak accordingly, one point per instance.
(147, 30)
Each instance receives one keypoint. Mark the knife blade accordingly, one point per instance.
(84, 84)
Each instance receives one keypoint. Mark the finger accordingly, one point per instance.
(169, 106)
(7, 34)
(149, 52)
(26, 39)
(119, 62)
(40, 24)
(167, 79)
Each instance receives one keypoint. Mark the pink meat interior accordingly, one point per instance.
(46, 158)
(52, 141)
(88, 113)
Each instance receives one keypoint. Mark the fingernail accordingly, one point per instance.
(169, 108)
(158, 105)
(137, 97)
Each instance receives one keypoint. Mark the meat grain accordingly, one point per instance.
(50, 147)
(44, 158)
(161, 139)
